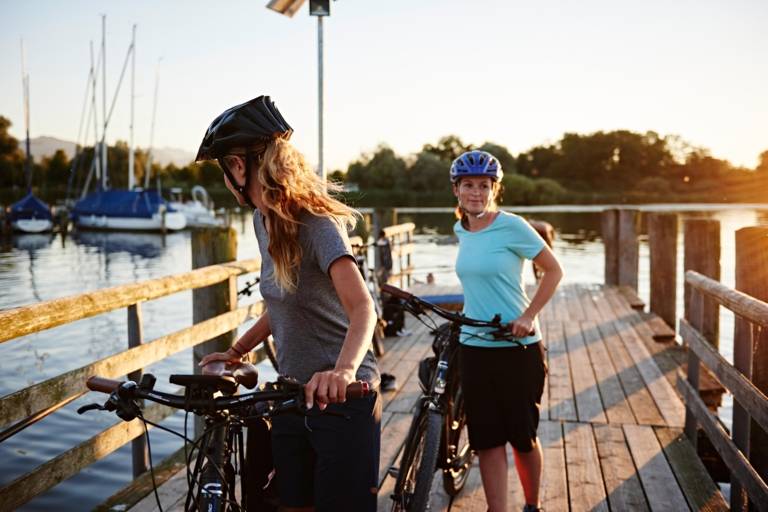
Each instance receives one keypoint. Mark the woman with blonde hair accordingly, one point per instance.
(318, 310)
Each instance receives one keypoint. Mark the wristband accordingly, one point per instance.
(236, 350)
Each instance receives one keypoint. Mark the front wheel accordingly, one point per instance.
(417, 467)
(460, 453)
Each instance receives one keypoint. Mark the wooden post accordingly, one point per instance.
(628, 248)
(702, 254)
(662, 242)
(377, 226)
(209, 247)
(610, 228)
(750, 351)
(408, 241)
(139, 450)
(693, 313)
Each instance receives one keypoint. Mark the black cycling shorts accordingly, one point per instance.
(502, 395)
(329, 462)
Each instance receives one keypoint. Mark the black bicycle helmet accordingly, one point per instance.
(257, 120)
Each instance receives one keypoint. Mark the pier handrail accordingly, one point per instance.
(749, 397)
(31, 404)
(400, 238)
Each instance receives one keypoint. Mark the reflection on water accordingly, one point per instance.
(44, 267)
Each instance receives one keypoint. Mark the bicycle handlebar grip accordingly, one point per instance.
(395, 292)
(358, 389)
(102, 385)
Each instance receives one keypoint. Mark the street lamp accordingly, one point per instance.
(319, 8)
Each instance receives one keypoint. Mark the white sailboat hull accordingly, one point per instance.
(173, 221)
(32, 225)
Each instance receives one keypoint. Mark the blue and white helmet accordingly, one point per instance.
(476, 163)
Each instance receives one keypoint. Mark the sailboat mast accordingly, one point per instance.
(148, 169)
(25, 88)
(133, 100)
(104, 177)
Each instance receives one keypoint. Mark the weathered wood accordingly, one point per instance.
(702, 254)
(629, 248)
(630, 295)
(28, 401)
(561, 400)
(610, 230)
(621, 479)
(45, 315)
(659, 482)
(69, 463)
(743, 305)
(589, 407)
(554, 485)
(741, 469)
(585, 480)
(662, 244)
(750, 351)
(751, 398)
(700, 491)
(616, 407)
(139, 451)
(397, 229)
(662, 333)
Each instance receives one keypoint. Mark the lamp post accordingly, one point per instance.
(319, 8)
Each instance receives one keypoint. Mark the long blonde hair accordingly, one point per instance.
(290, 187)
(498, 191)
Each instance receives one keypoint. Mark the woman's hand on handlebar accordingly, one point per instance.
(230, 356)
(521, 327)
(328, 387)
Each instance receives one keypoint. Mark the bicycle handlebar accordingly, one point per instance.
(418, 303)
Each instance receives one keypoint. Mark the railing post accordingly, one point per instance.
(628, 248)
(750, 351)
(702, 254)
(211, 246)
(139, 450)
(408, 241)
(662, 242)
(610, 229)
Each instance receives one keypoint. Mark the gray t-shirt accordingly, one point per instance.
(309, 325)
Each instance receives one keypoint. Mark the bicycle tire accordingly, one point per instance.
(419, 463)
(455, 477)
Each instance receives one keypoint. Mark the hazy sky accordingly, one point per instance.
(407, 72)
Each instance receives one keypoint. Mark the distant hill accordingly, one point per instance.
(46, 146)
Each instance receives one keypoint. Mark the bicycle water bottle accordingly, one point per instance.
(442, 372)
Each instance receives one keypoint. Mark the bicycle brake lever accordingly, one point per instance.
(90, 407)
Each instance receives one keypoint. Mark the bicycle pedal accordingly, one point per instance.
(393, 471)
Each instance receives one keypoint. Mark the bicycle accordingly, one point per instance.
(219, 453)
(437, 438)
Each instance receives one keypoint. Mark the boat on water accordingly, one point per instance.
(198, 211)
(30, 215)
(127, 210)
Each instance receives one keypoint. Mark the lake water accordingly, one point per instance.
(42, 267)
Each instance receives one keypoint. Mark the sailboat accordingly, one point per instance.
(30, 215)
(135, 209)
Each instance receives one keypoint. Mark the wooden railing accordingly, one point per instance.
(744, 452)
(22, 408)
(400, 239)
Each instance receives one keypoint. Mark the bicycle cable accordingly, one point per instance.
(151, 465)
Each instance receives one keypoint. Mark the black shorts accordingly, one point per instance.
(329, 462)
(502, 395)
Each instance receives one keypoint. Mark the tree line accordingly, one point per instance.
(616, 166)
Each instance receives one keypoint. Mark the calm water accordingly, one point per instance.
(43, 267)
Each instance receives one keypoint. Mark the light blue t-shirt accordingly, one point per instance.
(490, 268)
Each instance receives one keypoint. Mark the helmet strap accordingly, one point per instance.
(242, 190)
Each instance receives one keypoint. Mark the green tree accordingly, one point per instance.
(502, 154)
(384, 169)
(428, 173)
(56, 169)
(11, 157)
(447, 148)
(762, 165)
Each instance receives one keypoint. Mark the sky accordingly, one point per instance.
(404, 72)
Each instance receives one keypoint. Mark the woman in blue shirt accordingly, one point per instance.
(502, 381)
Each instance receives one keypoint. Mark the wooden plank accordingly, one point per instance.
(741, 470)
(393, 435)
(28, 401)
(554, 486)
(638, 396)
(71, 462)
(663, 394)
(747, 394)
(756, 311)
(584, 294)
(544, 405)
(700, 491)
(45, 315)
(659, 482)
(397, 229)
(661, 332)
(589, 406)
(662, 245)
(472, 497)
(628, 248)
(572, 304)
(561, 401)
(630, 295)
(621, 479)
(586, 490)
(615, 403)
